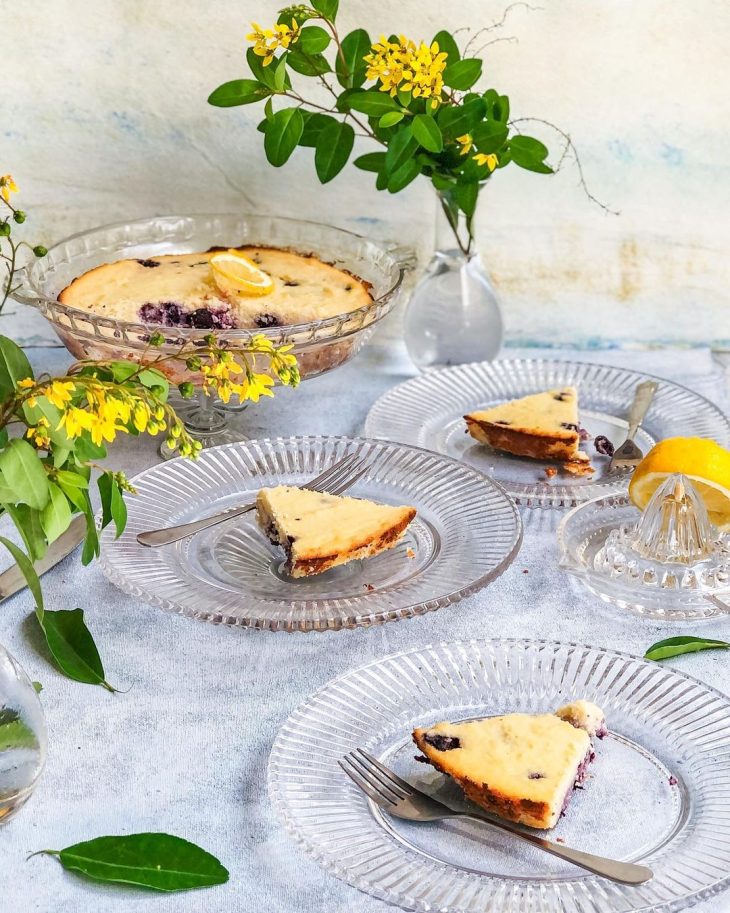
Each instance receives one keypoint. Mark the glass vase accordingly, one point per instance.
(453, 315)
(22, 737)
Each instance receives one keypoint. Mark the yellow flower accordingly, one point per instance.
(407, 66)
(267, 41)
(490, 160)
(75, 421)
(466, 144)
(141, 416)
(59, 393)
(26, 383)
(7, 186)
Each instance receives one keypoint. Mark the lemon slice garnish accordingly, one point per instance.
(703, 461)
(233, 270)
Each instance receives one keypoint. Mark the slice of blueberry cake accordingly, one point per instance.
(542, 426)
(521, 766)
(185, 290)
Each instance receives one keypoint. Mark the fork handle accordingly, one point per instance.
(153, 538)
(640, 406)
(625, 872)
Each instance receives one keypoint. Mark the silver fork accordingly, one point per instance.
(399, 798)
(335, 480)
(628, 455)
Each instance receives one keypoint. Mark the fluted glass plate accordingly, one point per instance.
(659, 790)
(466, 532)
(428, 411)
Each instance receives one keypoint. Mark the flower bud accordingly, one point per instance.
(193, 363)
(5, 229)
(186, 389)
(40, 251)
(19, 216)
(157, 339)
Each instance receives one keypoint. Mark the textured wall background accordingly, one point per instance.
(103, 116)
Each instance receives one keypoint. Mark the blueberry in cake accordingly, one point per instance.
(246, 288)
(522, 767)
(319, 531)
(542, 426)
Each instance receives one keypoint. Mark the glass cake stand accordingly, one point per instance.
(319, 345)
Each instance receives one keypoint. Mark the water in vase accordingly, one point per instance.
(453, 316)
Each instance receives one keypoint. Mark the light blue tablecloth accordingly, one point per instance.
(184, 749)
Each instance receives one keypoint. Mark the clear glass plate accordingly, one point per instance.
(466, 532)
(659, 791)
(428, 411)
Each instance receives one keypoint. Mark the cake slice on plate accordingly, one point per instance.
(319, 531)
(542, 426)
(522, 767)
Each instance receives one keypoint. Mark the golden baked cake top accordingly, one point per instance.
(179, 290)
(520, 763)
(319, 530)
(554, 413)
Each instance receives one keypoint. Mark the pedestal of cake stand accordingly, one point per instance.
(206, 420)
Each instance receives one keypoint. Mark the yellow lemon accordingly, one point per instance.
(231, 269)
(703, 461)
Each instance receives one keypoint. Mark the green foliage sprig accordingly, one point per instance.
(54, 432)
(418, 101)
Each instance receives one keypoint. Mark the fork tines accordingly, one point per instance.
(375, 779)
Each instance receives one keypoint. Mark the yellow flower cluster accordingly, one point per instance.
(7, 186)
(266, 42)
(481, 158)
(409, 67)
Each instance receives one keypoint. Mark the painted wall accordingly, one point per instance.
(103, 116)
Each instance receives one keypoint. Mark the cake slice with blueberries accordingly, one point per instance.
(522, 767)
(319, 531)
(541, 426)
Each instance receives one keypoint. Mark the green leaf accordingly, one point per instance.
(334, 145)
(72, 647)
(466, 196)
(351, 72)
(328, 8)
(91, 547)
(404, 175)
(256, 65)
(372, 103)
(37, 687)
(75, 493)
(462, 74)
(676, 646)
(308, 65)
(238, 92)
(529, 153)
(401, 148)
(86, 451)
(390, 119)
(56, 515)
(455, 120)
(158, 861)
(489, 136)
(314, 124)
(15, 733)
(279, 75)
(23, 472)
(371, 161)
(282, 135)
(3, 437)
(14, 366)
(446, 43)
(497, 105)
(427, 132)
(27, 521)
(313, 39)
(28, 571)
(112, 503)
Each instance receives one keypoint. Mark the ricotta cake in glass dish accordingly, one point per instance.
(522, 766)
(250, 287)
(541, 426)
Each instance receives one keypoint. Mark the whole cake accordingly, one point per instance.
(319, 531)
(542, 426)
(521, 766)
(188, 290)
